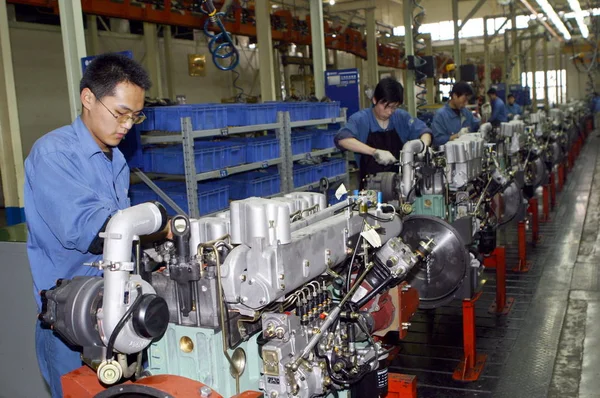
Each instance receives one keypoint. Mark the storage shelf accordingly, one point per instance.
(177, 137)
(318, 122)
(314, 154)
(238, 169)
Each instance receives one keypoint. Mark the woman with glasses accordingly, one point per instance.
(75, 180)
(376, 134)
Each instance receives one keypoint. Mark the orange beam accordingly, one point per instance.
(351, 41)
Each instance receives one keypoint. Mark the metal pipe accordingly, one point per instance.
(409, 82)
(456, 39)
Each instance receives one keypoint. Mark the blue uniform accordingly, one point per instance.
(499, 113)
(514, 109)
(446, 123)
(363, 123)
(71, 189)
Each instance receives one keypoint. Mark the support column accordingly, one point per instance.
(73, 38)
(288, 81)
(514, 53)
(265, 54)
(456, 39)
(546, 99)
(486, 58)
(409, 86)
(170, 69)
(318, 45)
(151, 44)
(93, 33)
(372, 66)
(358, 64)
(277, 74)
(11, 152)
(429, 82)
(533, 70)
(562, 82)
(556, 65)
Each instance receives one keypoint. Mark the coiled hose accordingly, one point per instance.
(224, 54)
(420, 62)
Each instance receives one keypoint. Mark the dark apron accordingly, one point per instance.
(386, 140)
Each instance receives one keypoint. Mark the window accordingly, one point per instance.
(526, 80)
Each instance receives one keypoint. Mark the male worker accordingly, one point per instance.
(512, 107)
(377, 134)
(75, 180)
(454, 119)
(499, 113)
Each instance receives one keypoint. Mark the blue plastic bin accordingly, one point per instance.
(323, 139)
(169, 160)
(209, 116)
(259, 149)
(148, 124)
(334, 167)
(301, 143)
(236, 114)
(254, 183)
(261, 113)
(168, 118)
(303, 175)
(234, 153)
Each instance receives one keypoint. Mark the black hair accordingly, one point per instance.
(461, 88)
(510, 96)
(492, 90)
(389, 91)
(106, 71)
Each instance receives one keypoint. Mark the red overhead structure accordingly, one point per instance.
(238, 21)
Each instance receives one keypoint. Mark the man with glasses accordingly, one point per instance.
(376, 135)
(75, 180)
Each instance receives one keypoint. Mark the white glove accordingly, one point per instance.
(463, 131)
(383, 157)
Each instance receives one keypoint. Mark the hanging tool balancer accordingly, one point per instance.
(220, 44)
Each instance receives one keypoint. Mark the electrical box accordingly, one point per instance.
(343, 85)
(468, 72)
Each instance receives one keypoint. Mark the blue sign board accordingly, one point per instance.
(343, 85)
(85, 61)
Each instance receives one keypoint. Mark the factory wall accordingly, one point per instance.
(41, 81)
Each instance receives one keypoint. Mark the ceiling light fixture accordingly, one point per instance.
(576, 7)
(553, 16)
(540, 17)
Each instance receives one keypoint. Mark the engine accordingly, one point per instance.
(284, 295)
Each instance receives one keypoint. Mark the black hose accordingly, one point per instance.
(121, 324)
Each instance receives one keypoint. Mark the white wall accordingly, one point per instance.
(41, 81)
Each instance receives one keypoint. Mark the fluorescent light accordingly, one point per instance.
(549, 11)
(574, 4)
(331, 2)
(251, 46)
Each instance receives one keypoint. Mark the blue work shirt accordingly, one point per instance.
(514, 109)
(71, 188)
(363, 122)
(446, 123)
(499, 113)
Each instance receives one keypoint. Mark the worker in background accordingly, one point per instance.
(454, 119)
(377, 134)
(75, 180)
(499, 113)
(512, 107)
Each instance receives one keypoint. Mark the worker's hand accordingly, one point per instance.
(463, 131)
(383, 157)
(169, 231)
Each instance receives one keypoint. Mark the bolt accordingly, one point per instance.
(205, 391)
(282, 276)
(109, 374)
(243, 278)
(306, 263)
(244, 299)
(263, 301)
(328, 252)
(405, 325)
(204, 289)
(282, 287)
(405, 288)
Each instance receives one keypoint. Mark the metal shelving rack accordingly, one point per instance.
(288, 125)
(283, 130)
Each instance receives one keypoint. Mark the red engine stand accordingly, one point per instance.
(523, 265)
(408, 303)
(471, 365)
(552, 191)
(535, 221)
(561, 176)
(546, 201)
(402, 386)
(497, 260)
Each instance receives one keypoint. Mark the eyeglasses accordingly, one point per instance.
(122, 119)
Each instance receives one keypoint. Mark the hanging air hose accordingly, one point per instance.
(224, 54)
(420, 62)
